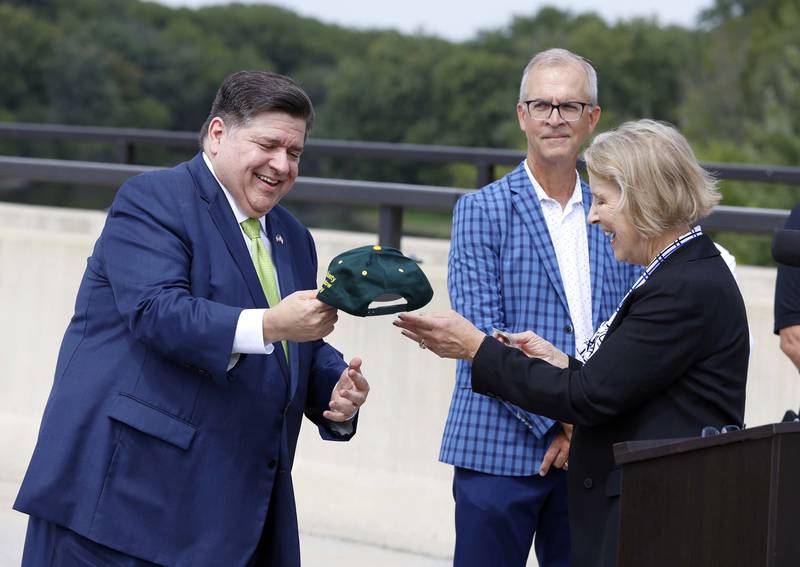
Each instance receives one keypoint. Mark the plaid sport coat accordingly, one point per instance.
(503, 273)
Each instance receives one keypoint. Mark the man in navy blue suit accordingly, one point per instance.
(170, 431)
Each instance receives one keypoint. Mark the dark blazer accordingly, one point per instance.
(149, 444)
(673, 361)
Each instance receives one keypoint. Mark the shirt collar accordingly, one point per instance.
(577, 193)
(237, 212)
(671, 247)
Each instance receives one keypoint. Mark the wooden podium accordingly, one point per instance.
(728, 500)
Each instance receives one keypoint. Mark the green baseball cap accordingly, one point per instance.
(362, 275)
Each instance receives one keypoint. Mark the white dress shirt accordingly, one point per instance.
(249, 337)
(567, 228)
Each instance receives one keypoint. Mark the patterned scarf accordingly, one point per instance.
(591, 346)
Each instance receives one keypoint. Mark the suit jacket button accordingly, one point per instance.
(271, 464)
(587, 483)
(568, 328)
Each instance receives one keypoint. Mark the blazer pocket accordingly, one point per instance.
(152, 421)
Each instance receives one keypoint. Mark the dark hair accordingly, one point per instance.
(246, 94)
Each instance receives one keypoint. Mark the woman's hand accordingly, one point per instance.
(536, 347)
(447, 334)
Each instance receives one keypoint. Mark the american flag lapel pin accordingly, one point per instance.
(279, 238)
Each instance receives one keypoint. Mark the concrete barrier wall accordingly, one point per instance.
(386, 486)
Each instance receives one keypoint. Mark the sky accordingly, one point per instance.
(452, 20)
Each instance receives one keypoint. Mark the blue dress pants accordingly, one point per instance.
(497, 517)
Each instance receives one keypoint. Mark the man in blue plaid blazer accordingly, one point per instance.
(523, 257)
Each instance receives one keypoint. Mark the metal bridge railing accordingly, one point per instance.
(485, 160)
(390, 198)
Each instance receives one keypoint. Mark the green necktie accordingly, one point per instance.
(264, 267)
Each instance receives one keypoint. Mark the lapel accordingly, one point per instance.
(598, 251)
(225, 221)
(282, 260)
(526, 203)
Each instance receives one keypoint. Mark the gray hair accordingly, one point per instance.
(556, 57)
(661, 184)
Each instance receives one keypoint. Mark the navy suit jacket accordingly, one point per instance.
(149, 444)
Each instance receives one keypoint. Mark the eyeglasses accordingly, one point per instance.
(569, 111)
(710, 430)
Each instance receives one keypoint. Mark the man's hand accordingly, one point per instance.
(299, 317)
(349, 394)
(567, 427)
(558, 452)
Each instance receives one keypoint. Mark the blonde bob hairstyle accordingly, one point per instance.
(662, 186)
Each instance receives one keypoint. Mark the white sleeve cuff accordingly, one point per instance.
(249, 337)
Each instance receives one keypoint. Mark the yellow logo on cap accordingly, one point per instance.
(329, 279)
